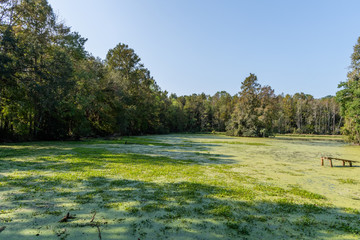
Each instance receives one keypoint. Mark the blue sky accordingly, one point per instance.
(195, 46)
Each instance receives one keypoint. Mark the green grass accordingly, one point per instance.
(310, 137)
(348, 181)
(296, 190)
(132, 140)
(178, 186)
(235, 142)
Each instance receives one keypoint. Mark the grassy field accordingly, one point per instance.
(180, 187)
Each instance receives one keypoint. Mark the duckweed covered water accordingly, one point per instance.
(186, 186)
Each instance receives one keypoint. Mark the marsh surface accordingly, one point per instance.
(180, 187)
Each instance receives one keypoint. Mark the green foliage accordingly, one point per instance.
(51, 88)
(349, 98)
(41, 71)
(255, 111)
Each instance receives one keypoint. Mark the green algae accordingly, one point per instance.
(180, 187)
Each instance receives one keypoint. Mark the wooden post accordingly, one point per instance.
(322, 161)
(344, 163)
(331, 162)
(350, 164)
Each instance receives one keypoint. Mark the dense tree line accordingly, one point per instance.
(52, 88)
(257, 111)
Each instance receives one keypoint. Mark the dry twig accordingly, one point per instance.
(67, 217)
(93, 217)
(98, 228)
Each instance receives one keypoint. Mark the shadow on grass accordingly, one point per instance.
(77, 158)
(141, 196)
(32, 150)
(132, 209)
(346, 166)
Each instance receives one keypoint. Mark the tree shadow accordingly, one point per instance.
(132, 209)
(30, 150)
(346, 166)
(78, 162)
(54, 157)
(36, 194)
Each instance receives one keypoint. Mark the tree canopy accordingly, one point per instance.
(52, 88)
(349, 98)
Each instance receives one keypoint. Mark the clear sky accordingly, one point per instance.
(195, 46)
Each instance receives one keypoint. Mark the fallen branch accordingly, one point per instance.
(93, 217)
(95, 224)
(67, 217)
(98, 228)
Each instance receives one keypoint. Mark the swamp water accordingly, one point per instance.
(180, 186)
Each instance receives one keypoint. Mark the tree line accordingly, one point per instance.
(52, 88)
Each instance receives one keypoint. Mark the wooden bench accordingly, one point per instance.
(338, 159)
